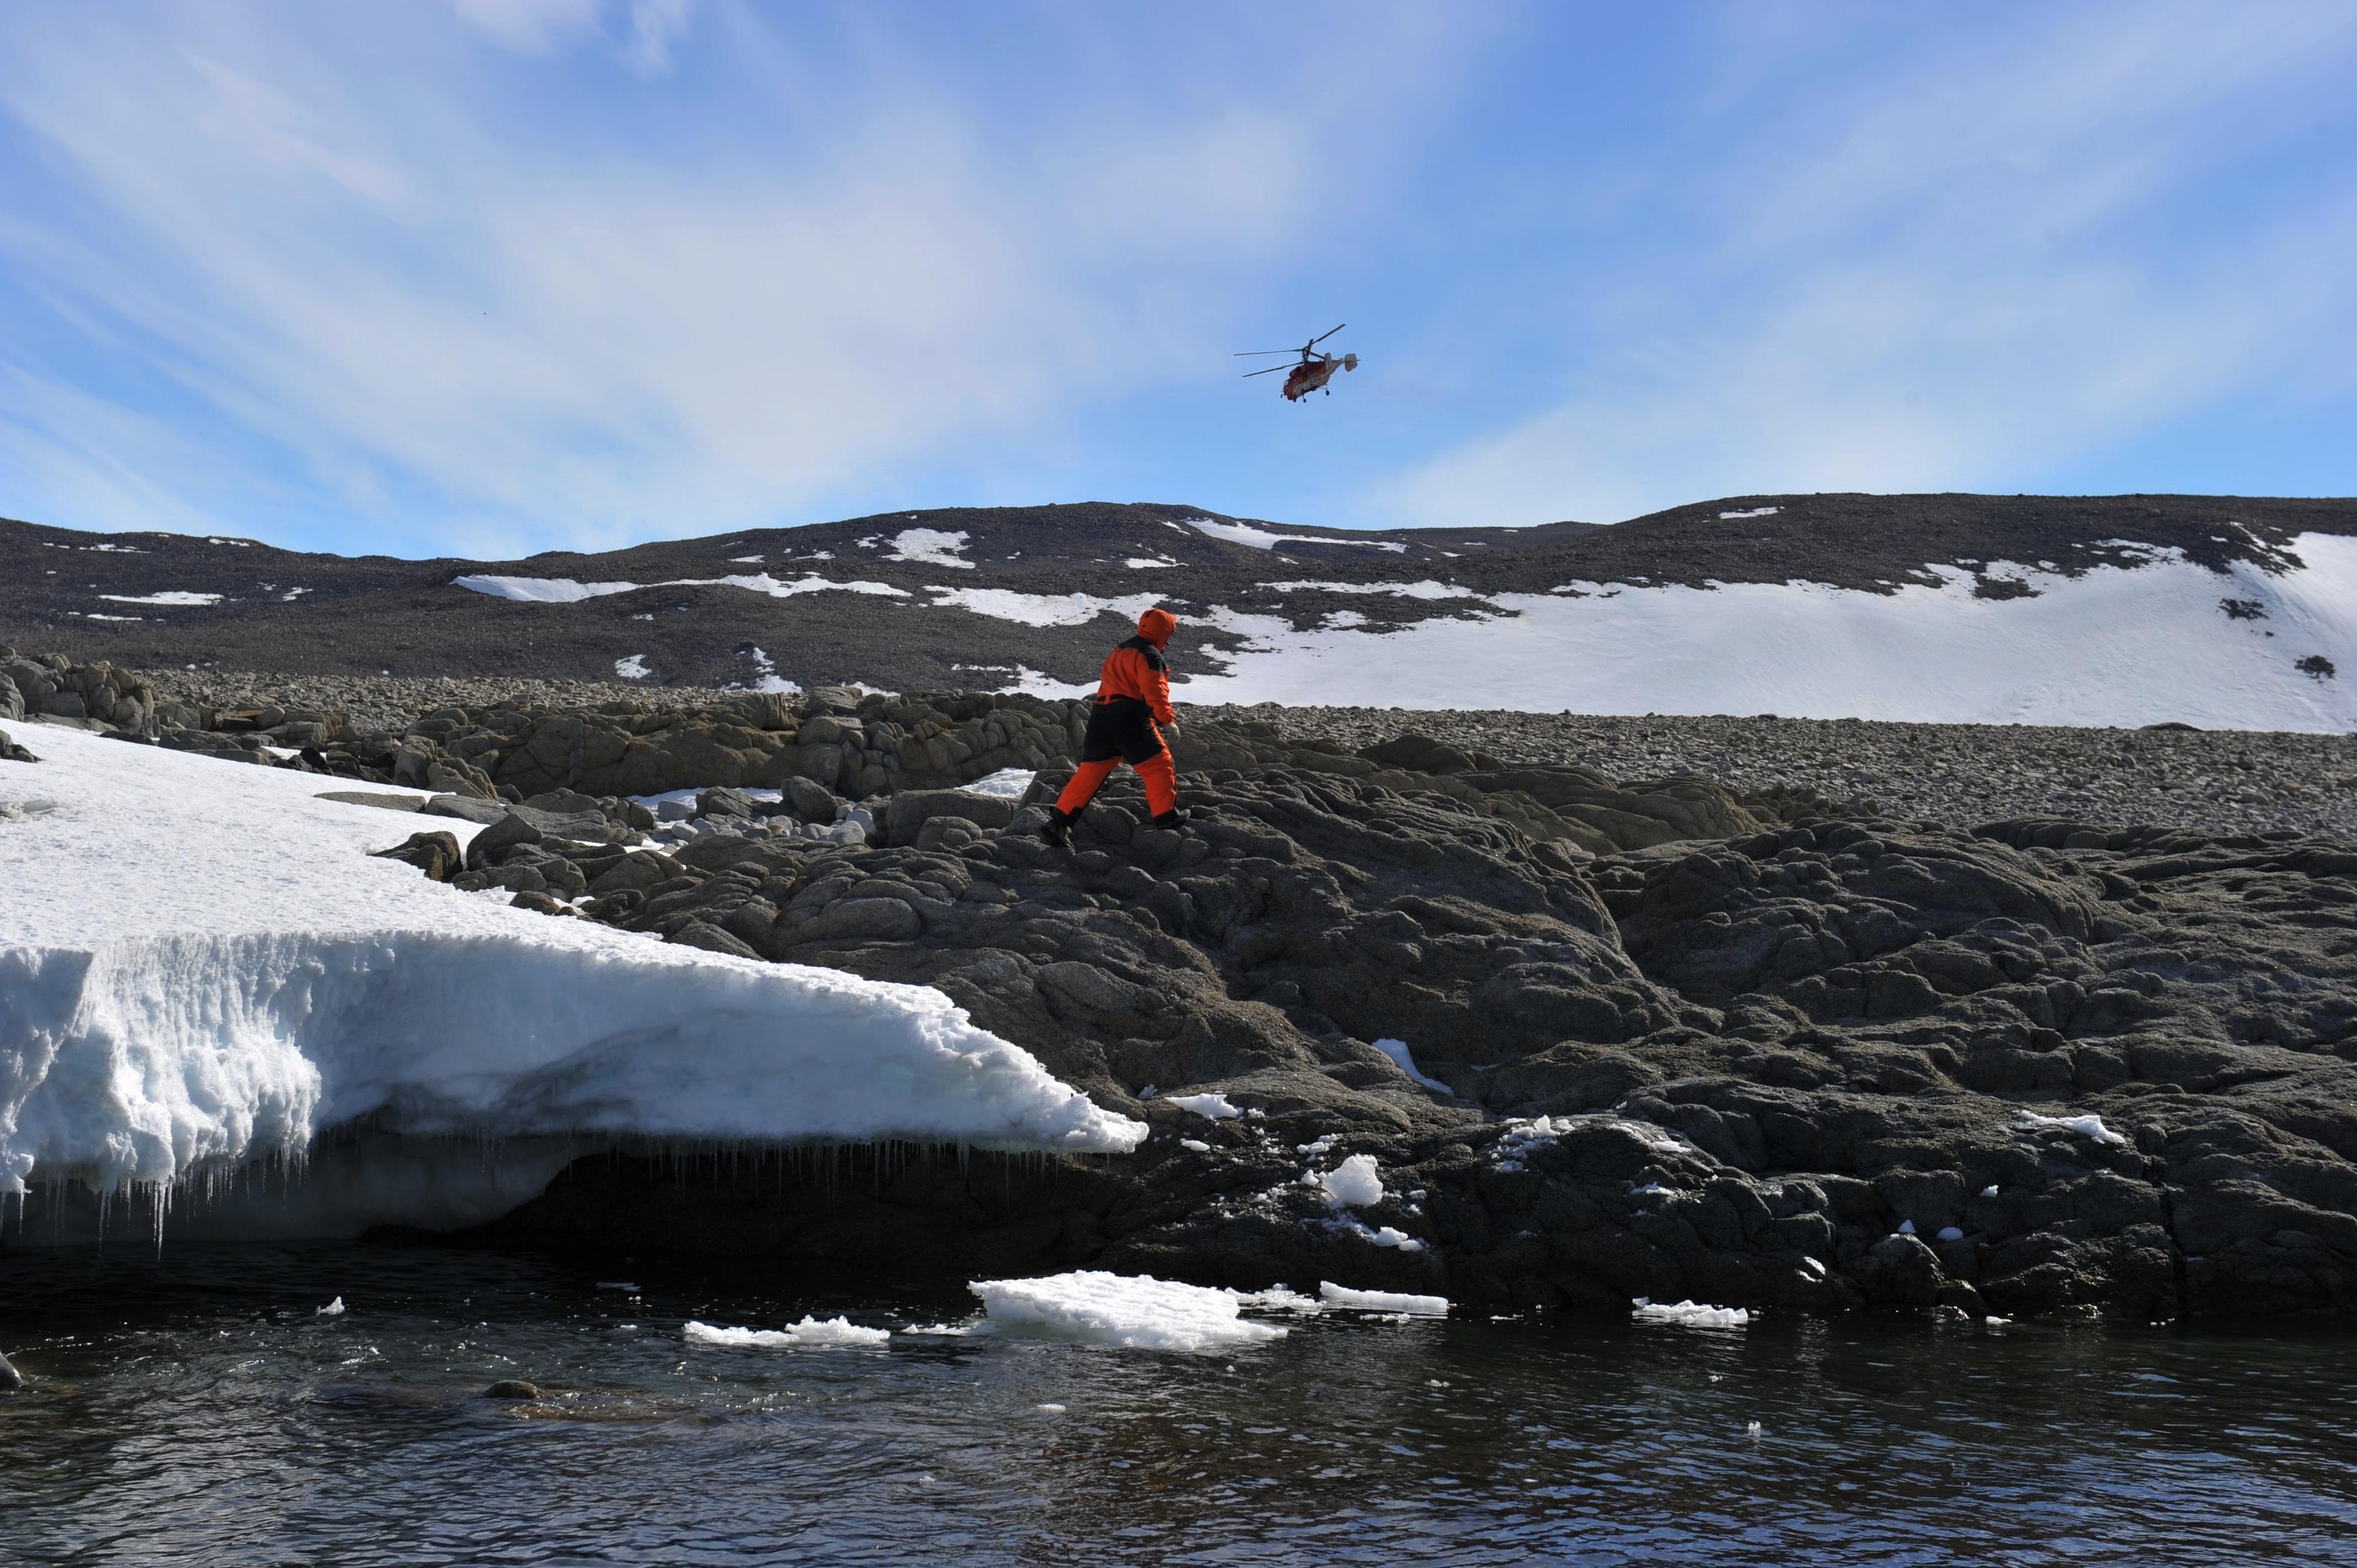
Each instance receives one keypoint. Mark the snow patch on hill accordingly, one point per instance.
(199, 968)
(2114, 645)
(1262, 538)
(566, 591)
(929, 547)
(1044, 610)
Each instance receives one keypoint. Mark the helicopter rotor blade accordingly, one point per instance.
(1323, 335)
(1249, 354)
(1270, 372)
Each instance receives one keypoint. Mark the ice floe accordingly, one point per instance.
(1133, 1311)
(810, 1333)
(1381, 1301)
(1689, 1314)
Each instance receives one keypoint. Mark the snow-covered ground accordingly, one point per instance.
(2114, 645)
(201, 968)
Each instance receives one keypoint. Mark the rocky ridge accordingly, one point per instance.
(1667, 1040)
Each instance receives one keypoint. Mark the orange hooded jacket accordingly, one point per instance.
(1136, 669)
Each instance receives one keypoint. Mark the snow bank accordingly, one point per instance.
(2114, 645)
(199, 967)
(1690, 1315)
(168, 596)
(1136, 1312)
(834, 1333)
(1381, 1301)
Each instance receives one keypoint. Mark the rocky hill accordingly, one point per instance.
(1566, 616)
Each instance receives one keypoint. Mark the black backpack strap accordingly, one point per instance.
(1153, 654)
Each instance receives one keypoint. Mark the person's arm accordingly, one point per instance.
(1157, 693)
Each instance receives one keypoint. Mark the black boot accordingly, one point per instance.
(1177, 817)
(1058, 829)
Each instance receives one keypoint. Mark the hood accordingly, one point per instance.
(1156, 626)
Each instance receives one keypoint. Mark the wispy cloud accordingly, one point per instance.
(1960, 273)
(562, 330)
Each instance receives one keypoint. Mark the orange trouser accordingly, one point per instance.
(1161, 784)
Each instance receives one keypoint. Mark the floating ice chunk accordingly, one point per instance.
(1350, 1300)
(1989, 1191)
(1135, 1312)
(1279, 1298)
(1690, 1315)
(1353, 1184)
(1950, 1233)
(2087, 1126)
(1751, 1429)
(1049, 1409)
(947, 1330)
(834, 1333)
(1907, 1228)
(1397, 1051)
(333, 1309)
(1214, 1106)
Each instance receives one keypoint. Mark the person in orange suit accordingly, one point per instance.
(1133, 699)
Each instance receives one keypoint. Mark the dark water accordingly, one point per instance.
(199, 1411)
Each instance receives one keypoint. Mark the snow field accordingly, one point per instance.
(2116, 646)
(199, 968)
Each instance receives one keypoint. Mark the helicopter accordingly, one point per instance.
(1314, 371)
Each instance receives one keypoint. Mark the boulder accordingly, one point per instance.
(907, 812)
(436, 854)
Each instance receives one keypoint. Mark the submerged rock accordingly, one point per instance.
(512, 1388)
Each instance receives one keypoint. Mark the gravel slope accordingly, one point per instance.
(2225, 781)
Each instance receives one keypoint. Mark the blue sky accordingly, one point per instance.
(491, 276)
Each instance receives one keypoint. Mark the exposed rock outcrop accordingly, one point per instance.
(1812, 1064)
